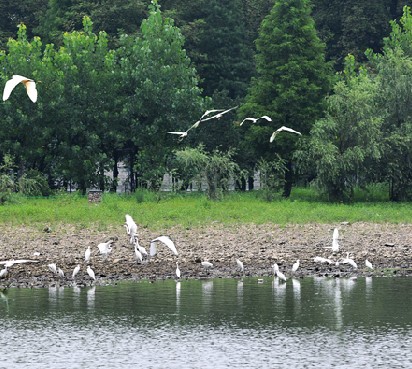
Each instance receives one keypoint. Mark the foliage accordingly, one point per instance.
(162, 92)
(292, 79)
(272, 176)
(394, 68)
(217, 168)
(344, 147)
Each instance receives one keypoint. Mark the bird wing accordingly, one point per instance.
(251, 119)
(266, 117)
(153, 249)
(219, 115)
(195, 125)
(22, 261)
(11, 84)
(283, 128)
(179, 133)
(168, 242)
(31, 90)
(207, 112)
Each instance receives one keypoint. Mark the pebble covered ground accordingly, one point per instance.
(387, 246)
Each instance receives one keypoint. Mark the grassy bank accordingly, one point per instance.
(158, 211)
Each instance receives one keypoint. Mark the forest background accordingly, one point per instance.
(115, 76)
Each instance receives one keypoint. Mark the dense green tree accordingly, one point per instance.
(215, 38)
(345, 146)
(394, 68)
(292, 80)
(111, 16)
(14, 13)
(161, 93)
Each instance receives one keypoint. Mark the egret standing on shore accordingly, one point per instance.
(177, 270)
(75, 271)
(87, 254)
(90, 272)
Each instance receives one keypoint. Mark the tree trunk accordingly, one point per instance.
(287, 187)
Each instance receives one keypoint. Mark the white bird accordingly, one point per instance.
(105, 248)
(275, 268)
(349, 261)
(3, 272)
(281, 275)
(76, 271)
(138, 254)
(181, 134)
(283, 128)
(177, 270)
(335, 235)
(219, 115)
(295, 266)
(335, 243)
(206, 264)
(164, 239)
(368, 264)
(10, 263)
(60, 272)
(52, 267)
(131, 228)
(240, 265)
(87, 254)
(254, 120)
(28, 83)
(90, 272)
(320, 259)
(207, 112)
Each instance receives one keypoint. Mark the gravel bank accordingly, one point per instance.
(387, 246)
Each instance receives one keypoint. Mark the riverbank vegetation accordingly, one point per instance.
(114, 79)
(164, 210)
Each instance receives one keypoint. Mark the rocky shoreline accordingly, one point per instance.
(387, 246)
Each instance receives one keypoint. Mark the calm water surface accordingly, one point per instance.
(221, 323)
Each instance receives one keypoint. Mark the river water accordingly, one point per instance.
(217, 323)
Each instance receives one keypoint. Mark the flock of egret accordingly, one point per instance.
(220, 112)
(105, 248)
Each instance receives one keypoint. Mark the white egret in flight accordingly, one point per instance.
(219, 115)
(28, 83)
(164, 239)
(254, 120)
(281, 129)
(10, 263)
(90, 272)
(207, 112)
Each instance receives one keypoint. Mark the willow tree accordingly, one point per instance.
(394, 68)
(291, 81)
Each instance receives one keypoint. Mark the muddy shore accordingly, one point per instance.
(387, 246)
